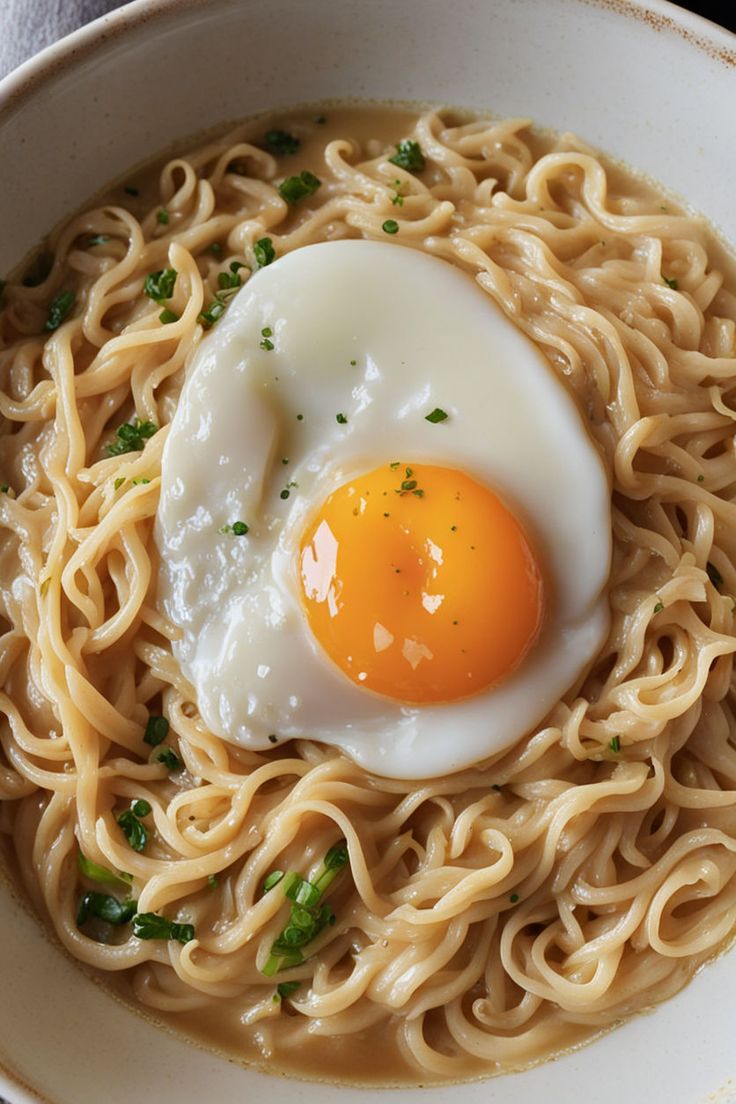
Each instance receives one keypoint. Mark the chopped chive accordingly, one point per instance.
(59, 308)
(409, 156)
(299, 187)
(157, 729)
(105, 907)
(149, 925)
(280, 142)
(169, 758)
(131, 437)
(97, 873)
(264, 252)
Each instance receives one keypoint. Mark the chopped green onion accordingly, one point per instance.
(299, 187)
(131, 437)
(308, 915)
(59, 308)
(264, 252)
(409, 156)
(437, 415)
(149, 925)
(135, 833)
(281, 142)
(169, 758)
(97, 873)
(104, 907)
(157, 729)
(286, 988)
(272, 880)
(160, 285)
(390, 226)
(210, 315)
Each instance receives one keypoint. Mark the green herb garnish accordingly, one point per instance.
(286, 988)
(408, 485)
(97, 873)
(264, 252)
(299, 187)
(157, 729)
(160, 285)
(105, 908)
(437, 415)
(131, 437)
(309, 915)
(615, 744)
(134, 831)
(714, 575)
(149, 925)
(280, 142)
(169, 758)
(59, 308)
(272, 880)
(210, 315)
(390, 226)
(228, 280)
(409, 156)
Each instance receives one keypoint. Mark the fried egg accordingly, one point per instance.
(382, 524)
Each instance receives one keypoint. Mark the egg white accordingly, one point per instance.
(422, 334)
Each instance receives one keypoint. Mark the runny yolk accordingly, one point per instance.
(420, 584)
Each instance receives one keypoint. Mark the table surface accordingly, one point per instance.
(27, 26)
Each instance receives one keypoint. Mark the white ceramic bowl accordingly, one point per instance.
(648, 83)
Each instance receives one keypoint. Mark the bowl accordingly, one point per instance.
(648, 83)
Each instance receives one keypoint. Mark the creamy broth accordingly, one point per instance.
(618, 811)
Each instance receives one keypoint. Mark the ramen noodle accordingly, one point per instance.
(468, 924)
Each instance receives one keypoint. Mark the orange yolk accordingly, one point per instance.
(420, 584)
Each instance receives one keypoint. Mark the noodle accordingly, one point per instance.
(488, 919)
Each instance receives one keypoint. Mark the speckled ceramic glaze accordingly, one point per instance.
(650, 84)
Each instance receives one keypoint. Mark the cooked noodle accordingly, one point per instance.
(488, 919)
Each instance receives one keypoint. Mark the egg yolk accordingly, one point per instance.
(420, 584)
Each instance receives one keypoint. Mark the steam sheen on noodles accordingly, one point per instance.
(487, 919)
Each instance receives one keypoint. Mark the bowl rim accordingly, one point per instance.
(32, 75)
